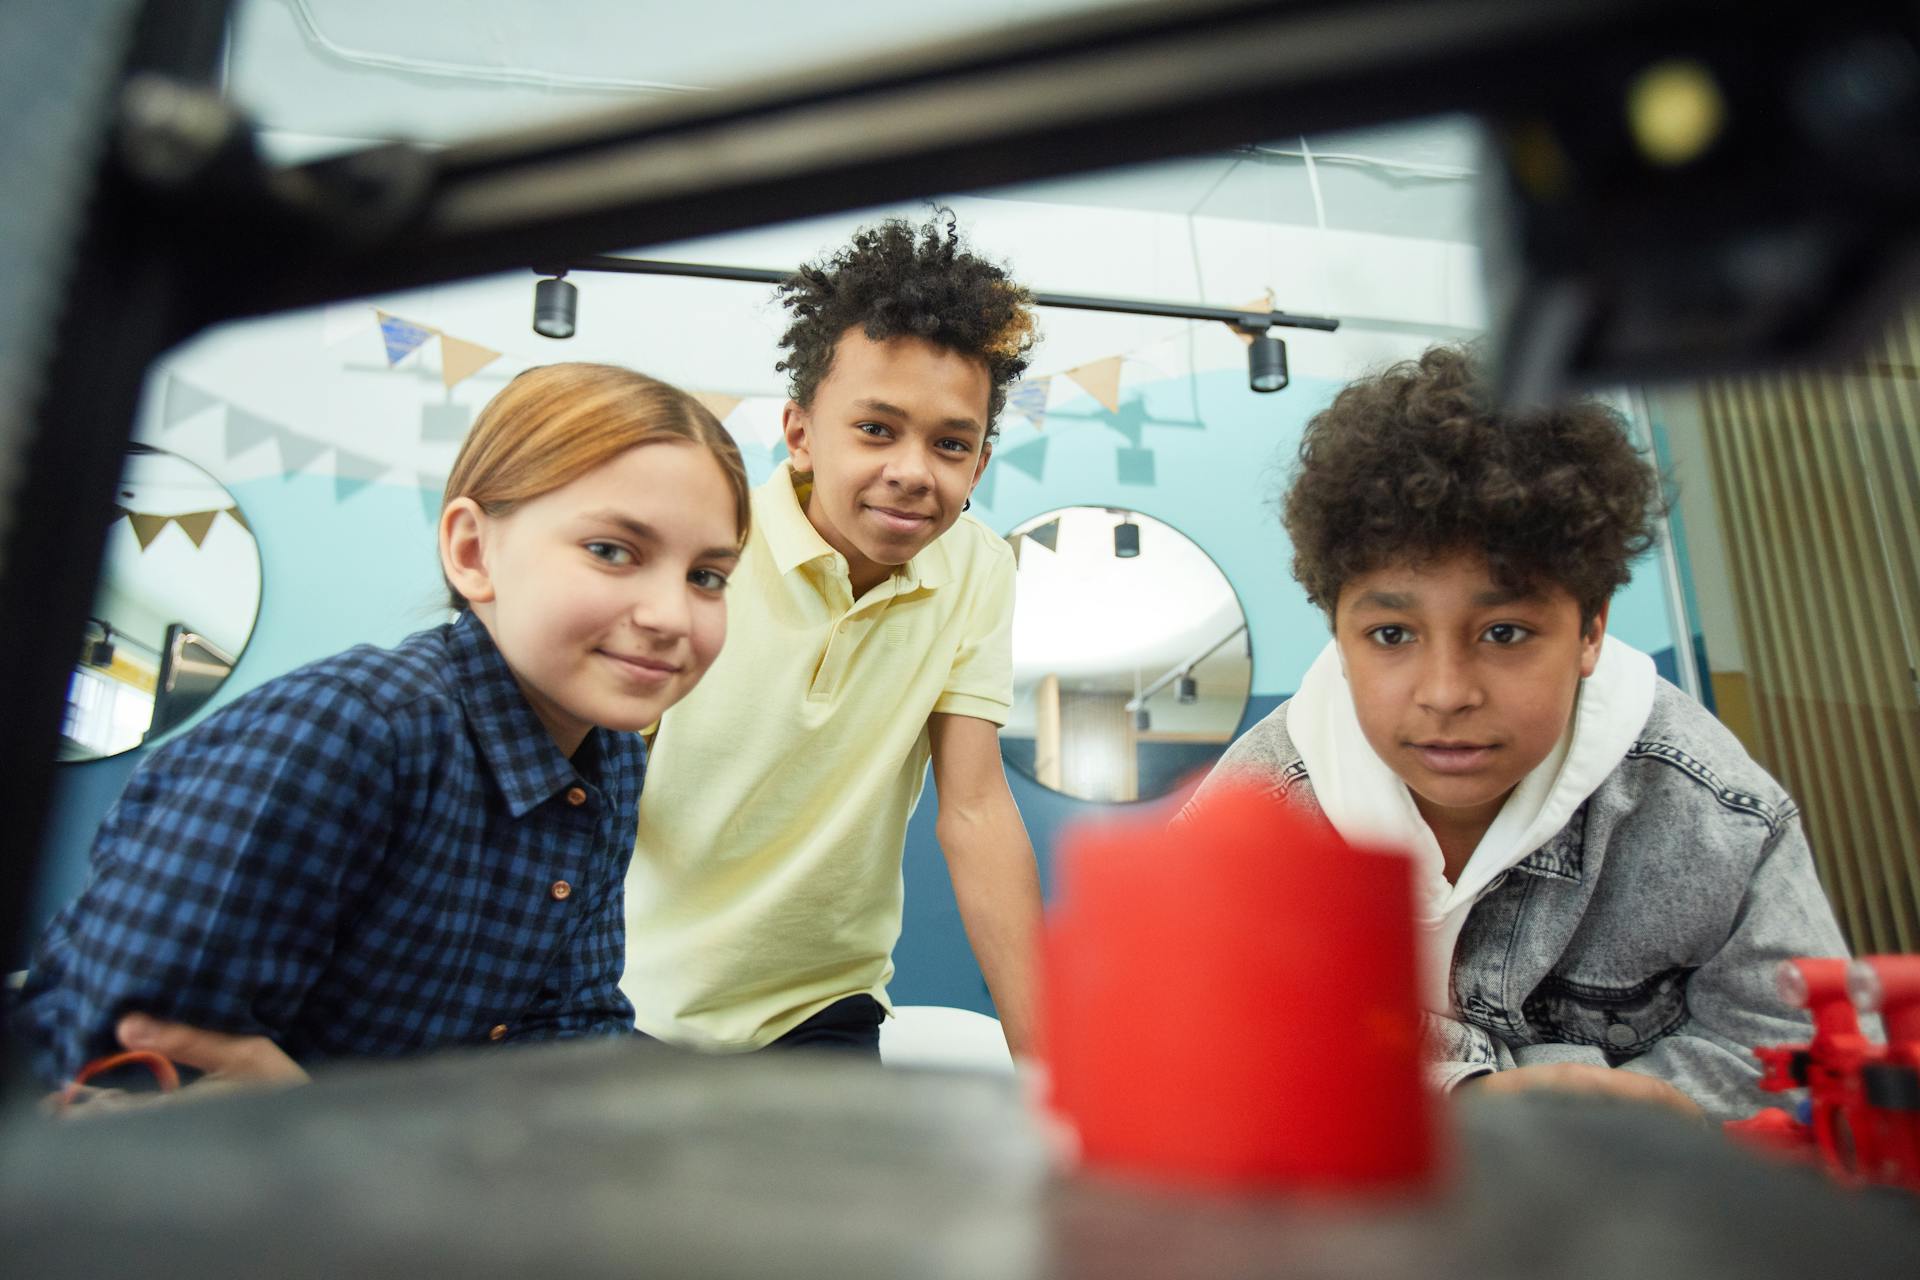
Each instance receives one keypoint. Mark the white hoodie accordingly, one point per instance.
(1368, 804)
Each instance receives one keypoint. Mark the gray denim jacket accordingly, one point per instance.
(1645, 934)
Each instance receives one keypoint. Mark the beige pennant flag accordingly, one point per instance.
(233, 513)
(1260, 306)
(716, 404)
(195, 525)
(460, 359)
(1101, 380)
(146, 528)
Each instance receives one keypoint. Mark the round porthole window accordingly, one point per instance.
(1131, 660)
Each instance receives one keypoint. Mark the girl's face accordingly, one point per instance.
(606, 596)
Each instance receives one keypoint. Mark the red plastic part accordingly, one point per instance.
(1233, 1003)
(163, 1072)
(1856, 1138)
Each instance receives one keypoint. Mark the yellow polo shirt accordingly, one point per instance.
(766, 879)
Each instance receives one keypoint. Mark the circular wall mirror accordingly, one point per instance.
(1131, 660)
(179, 593)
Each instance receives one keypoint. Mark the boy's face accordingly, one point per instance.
(895, 440)
(606, 595)
(1462, 687)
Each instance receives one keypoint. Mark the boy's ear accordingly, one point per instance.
(980, 468)
(796, 424)
(1590, 642)
(463, 530)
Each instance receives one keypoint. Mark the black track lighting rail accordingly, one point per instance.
(1253, 321)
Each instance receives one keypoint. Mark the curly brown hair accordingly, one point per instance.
(897, 280)
(1413, 463)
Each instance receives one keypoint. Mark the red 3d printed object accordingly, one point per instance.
(1232, 1003)
(1860, 1116)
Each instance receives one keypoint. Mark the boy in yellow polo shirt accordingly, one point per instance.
(869, 631)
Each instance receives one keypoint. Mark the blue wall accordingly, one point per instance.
(1203, 454)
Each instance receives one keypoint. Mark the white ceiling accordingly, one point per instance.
(324, 74)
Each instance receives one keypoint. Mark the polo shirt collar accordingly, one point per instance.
(795, 542)
(526, 763)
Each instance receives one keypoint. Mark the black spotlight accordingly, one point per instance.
(1142, 720)
(97, 644)
(1267, 363)
(1126, 540)
(555, 303)
(1188, 691)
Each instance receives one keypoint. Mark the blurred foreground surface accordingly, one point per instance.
(615, 1159)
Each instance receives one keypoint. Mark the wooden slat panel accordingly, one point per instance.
(1796, 540)
(1732, 425)
(1888, 426)
(1817, 483)
(1865, 649)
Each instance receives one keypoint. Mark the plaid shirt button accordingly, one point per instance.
(576, 796)
(562, 891)
(498, 1033)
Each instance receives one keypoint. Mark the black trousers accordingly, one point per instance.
(850, 1026)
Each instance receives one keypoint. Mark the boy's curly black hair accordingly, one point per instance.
(1412, 464)
(897, 280)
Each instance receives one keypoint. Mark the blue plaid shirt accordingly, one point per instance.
(381, 853)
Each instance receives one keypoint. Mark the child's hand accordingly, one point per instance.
(1587, 1078)
(228, 1062)
(224, 1059)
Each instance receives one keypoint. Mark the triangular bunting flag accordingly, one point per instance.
(1101, 380)
(146, 528)
(245, 430)
(239, 519)
(460, 359)
(195, 525)
(717, 404)
(354, 472)
(297, 452)
(1047, 534)
(1262, 304)
(183, 401)
(1030, 458)
(403, 337)
(1029, 399)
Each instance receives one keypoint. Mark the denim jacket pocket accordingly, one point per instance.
(1622, 1020)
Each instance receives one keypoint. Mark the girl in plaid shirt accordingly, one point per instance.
(391, 851)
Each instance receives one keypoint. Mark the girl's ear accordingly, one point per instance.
(463, 550)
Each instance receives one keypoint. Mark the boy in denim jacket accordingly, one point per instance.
(1605, 880)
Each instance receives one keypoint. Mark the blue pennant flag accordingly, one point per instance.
(1029, 399)
(403, 337)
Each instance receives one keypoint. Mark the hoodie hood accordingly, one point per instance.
(1368, 804)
